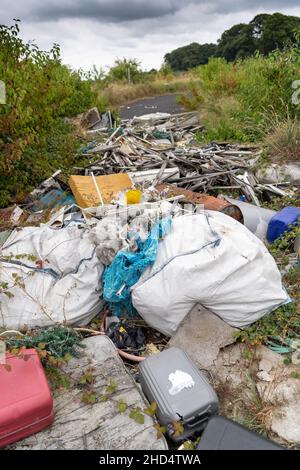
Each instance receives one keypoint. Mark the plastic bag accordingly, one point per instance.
(127, 267)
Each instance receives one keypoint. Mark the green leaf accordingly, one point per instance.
(122, 406)
(15, 351)
(178, 428)
(8, 294)
(161, 430)
(67, 357)
(295, 375)
(86, 378)
(89, 378)
(111, 387)
(89, 398)
(139, 418)
(151, 409)
(137, 415)
(103, 398)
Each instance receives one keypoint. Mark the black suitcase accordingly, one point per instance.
(223, 434)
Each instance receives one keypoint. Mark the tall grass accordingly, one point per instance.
(282, 142)
(119, 92)
(236, 100)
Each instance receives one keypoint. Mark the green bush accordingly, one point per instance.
(40, 92)
(123, 69)
(259, 87)
(219, 77)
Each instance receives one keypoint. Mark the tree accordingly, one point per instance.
(258, 23)
(187, 57)
(264, 33)
(40, 92)
(207, 50)
(237, 42)
(274, 31)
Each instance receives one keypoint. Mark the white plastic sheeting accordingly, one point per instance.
(60, 282)
(213, 260)
(280, 173)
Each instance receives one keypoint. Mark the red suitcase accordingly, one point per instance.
(26, 404)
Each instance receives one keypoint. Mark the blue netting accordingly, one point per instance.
(127, 267)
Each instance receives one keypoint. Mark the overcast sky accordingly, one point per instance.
(98, 31)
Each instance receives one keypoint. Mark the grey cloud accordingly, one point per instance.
(108, 10)
(132, 11)
(117, 11)
(230, 6)
(97, 31)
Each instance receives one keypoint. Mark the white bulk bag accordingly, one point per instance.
(211, 259)
(62, 284)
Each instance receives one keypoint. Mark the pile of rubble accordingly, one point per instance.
(159, 141)
(152, 150)
(150, 226)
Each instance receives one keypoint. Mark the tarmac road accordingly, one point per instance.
(162, 104)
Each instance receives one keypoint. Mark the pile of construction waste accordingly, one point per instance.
(150, 225)
(122, 228)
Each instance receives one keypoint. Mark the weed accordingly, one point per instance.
(277, 203)
(282, 143)
(137, 415)
(295, 375)
(284, 322)
(122, 406)
(57, 378)
(59, 342)
(89, 397)
(87, 378)
(256, 412)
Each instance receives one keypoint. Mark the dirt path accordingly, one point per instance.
(163, 104)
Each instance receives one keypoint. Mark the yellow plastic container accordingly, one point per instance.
(134, 196)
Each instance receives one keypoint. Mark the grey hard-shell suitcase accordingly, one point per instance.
(180, 391)
(224, 434)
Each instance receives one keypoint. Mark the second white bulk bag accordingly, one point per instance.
(211, 259)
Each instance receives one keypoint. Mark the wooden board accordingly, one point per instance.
(85, 191)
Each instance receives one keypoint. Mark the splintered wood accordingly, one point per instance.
(163, 142)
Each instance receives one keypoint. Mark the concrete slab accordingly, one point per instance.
(98, 426)
(202, 334)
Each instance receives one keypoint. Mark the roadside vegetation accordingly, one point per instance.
(35, 138)
(40, 92)
(115, 94)
(250, 100)
(126, 81)
(256, 100)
